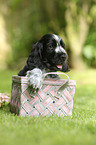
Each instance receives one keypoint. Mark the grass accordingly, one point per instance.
(78, 130)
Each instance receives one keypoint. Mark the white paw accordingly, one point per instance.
(35, 78)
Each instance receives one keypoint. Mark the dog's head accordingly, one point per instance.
(51, 49)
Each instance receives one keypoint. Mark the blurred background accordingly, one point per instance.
(24, 22)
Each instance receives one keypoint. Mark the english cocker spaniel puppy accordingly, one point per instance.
(48, 54)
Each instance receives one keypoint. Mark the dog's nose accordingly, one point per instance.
(63, 56)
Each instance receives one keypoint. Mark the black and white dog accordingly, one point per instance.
(48, 54)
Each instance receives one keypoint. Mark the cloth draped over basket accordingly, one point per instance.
(55, 97)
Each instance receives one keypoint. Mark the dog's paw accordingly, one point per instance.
(36, 83)
(35, 78)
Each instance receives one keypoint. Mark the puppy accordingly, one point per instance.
(48, 54)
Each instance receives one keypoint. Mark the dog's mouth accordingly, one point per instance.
(59, 66)
(63, 67)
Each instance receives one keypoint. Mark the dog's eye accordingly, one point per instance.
(50, 46)
(62, 44)
(51, 49)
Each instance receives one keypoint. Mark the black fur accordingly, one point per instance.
(45, 57)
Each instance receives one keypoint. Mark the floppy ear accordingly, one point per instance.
(38, 47)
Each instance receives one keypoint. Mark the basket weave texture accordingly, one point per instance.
(45, 102)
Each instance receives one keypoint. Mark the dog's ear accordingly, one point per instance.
(38, 47)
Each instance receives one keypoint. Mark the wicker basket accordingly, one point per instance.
(55, 97)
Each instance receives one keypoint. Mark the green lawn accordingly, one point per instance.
(78, 130)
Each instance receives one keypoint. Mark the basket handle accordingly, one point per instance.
(59, 91)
